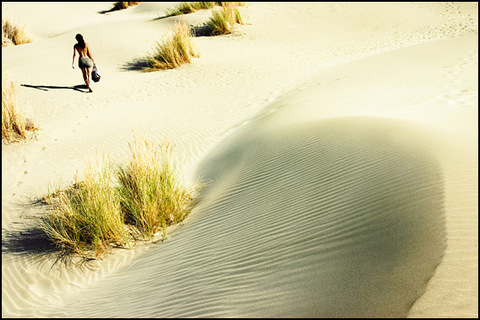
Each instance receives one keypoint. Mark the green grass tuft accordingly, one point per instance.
(224, 18)
(151, 194)
(176, 49)
(86, 217)
(115, 205)
(189, 7)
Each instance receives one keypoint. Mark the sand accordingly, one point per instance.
(339, 141)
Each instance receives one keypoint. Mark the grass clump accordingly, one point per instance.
(14, 124)
(87, 217)
(189, 7)
(13, 34)
(176, 49)
(224, 18)
(119, 204)
(123, 5)
(150, 191)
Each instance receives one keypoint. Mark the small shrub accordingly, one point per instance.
(175, 50)
(14, 124)
(223, 19)
(123, 5)
(13, 34)
(87, 217)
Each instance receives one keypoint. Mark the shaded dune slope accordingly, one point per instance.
(340, 217)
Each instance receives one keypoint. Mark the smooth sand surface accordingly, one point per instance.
(339, 141)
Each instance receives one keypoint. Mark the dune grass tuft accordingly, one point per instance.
(189, 7)
(224, 18)
(115, 205)
(123, 5)
(86, 217)
(151, 193)
(176, 49)
(13, 34)
(14, 124)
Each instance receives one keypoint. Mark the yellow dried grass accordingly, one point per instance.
(176, 49)
(13, 34)
(14, 124)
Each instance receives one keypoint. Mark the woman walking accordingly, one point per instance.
(85, 60)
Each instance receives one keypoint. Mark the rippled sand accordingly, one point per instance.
(338, 218)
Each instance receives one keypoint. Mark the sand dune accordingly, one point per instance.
(295, 225)
(339, 141)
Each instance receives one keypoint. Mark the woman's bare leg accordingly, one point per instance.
(86, 77)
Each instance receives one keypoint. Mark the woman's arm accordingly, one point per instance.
(74, 54)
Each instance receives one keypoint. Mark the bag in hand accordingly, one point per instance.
(95, 75)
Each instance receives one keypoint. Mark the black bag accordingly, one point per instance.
(95, 75)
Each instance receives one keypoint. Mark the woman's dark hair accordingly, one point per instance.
(80, 40)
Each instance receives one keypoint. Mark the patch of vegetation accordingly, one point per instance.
(15, 125)
(87, 217)
(13, 34)
(176, 49)
(123, 5)
(189, 7)
(224, 18)
(150, 191)
(116, 205)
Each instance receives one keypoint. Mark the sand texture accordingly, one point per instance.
(338, 143)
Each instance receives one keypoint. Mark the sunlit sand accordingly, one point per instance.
(337, 141)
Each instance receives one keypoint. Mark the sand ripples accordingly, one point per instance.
(334, 218)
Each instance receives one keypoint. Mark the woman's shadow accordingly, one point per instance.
(47, 88)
